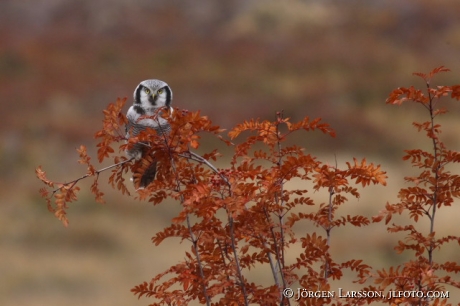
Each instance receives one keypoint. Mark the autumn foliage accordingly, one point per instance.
(243, 215)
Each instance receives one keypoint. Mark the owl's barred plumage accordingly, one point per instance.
(149, 97)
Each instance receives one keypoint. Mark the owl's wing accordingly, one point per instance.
(132, 117)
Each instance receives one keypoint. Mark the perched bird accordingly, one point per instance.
(149, 97)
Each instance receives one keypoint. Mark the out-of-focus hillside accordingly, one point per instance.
(62, 62)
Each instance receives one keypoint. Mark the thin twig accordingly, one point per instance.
(436, 174)
(193, 156)
(97, 172)
(189, 226)
(280, 257)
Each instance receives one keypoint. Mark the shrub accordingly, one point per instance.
(243, 215)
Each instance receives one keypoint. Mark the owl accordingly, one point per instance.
(149, 97)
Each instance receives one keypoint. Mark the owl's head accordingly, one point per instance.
(152, 94)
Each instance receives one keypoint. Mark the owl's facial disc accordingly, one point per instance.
(152, 94)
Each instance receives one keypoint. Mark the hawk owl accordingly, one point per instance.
(149, 97)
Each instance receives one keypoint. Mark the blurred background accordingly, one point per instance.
(62, 62)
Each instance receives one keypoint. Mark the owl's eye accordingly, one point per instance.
(160, 91)
(147, 91)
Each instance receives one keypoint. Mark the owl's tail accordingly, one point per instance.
(149, 175)
(144, 172)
